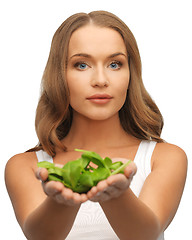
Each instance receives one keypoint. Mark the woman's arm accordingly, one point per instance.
(40, 216)
(50, 220)
(147, 216)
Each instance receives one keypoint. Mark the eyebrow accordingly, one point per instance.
(89, 56)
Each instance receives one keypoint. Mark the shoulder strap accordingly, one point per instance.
(143, 156)
(43, 156)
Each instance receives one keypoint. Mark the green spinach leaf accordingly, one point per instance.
(79, 175)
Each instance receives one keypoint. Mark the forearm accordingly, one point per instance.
(50, 220)
(131, 218)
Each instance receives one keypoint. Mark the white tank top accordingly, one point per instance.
(91, 222)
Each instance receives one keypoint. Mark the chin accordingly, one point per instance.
(102, 116)
(99, 118)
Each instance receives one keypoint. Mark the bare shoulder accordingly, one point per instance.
(26, 160)
(166, 181)
(169, 154)
(23, 164)
(20, 179)
(168, 149)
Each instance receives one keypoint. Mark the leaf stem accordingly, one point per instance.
(121, 168)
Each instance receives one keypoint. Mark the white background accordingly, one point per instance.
(163, 30)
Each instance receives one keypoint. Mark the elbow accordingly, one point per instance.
(154, 230)
(150, 230)
(40, 233)
(31, 233)
(157, 229)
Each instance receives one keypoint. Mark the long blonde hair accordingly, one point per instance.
(139, 115)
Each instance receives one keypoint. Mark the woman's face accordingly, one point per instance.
(97, 72)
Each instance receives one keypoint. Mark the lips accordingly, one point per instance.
(100, 98)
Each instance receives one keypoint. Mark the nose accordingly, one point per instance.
(99, 77)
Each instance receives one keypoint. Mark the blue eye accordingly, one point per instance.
(80, 65)
(115, 65)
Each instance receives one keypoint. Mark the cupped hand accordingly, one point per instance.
(113, 186)
(105, 190)
(58, 192)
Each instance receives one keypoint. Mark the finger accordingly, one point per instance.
(111, 190)
(105, 196)
(62, 200)
(67, 193)
(42, 174)
(65, 197)
(118, 181)
(70, 198)
(130, 170)
(96, 189)
(101, 192)
(111, 180)
(92, 192)
(79, 198)
(75, 197)
(95, 192)
(100, 197)
(52, 188)
(84, 197)
(102, 185)
(106, 189)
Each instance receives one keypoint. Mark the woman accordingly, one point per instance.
(93, 98)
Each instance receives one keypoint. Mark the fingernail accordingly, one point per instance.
(56, 191)
(98, 194)
(132, 173)
(38, 173)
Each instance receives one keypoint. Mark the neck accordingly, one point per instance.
(94, 135)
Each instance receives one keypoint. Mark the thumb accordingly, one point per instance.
(130, 170)
(41, 174)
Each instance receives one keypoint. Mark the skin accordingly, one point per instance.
(97, 72)
(94, 70)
